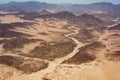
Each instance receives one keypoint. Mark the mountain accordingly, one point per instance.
(89, 20)
(116, 27)
(60, 15)
(102, 10)
(27, 6)
(102, 6)
(34, 5)
(43, 12)
(84, 19)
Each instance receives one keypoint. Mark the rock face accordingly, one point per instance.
(51, 52)
(30, 66)
(5, 31)
(89, 20)
(59, 15)
(116, 27)
(10, 45)
(11, 61)
(86, 54)
(43, 12)
(27, 66)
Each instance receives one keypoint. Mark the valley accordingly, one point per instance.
(58, 45)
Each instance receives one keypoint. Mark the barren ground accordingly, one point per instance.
(51, 49)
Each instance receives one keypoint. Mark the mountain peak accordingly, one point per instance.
(44, 12)
(89, 20)
(85, 15)
(66, 13)
(104, 3)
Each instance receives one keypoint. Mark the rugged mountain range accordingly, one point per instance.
(83, 20)
(27, 6)
(95, 8)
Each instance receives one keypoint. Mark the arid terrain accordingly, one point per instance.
(49, 45)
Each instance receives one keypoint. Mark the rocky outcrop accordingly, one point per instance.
(27, 66)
